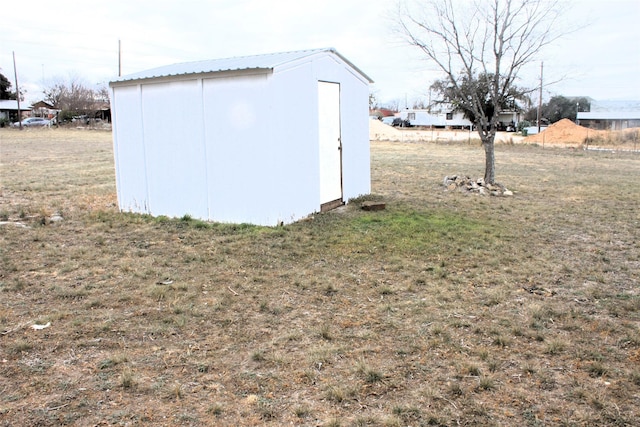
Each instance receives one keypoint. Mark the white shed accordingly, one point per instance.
(264, 139)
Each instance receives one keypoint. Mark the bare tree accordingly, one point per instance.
(72, 95)
(393, 105)
(373, 101)
(103, 93)
(479, 42)
(420, 104)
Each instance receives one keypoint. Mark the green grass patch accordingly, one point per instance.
(402, 230)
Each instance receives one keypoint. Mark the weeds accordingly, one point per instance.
(407, 413)
(555, 347)
(501, 341)
(258, 356)
(486, 383)
(215, 410)
(339, 394)
(635, 378)
(176, 391)
(113, 361)
(126, 378)
(473, 370)
(302, 411)
(597, 369)
(19, 346)
(325, 332)
(369, 374)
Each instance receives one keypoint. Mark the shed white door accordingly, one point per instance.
(330, 145)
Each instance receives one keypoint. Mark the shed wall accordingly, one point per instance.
(354, 110)
(129, 154)
(296, 101)
(175, 149)
(238, 139)
(295, 104)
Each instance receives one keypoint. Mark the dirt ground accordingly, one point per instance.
(443, 309)
(379, 131)
(563, 133)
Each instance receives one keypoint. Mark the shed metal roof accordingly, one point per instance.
(240, 63)
(11, 104)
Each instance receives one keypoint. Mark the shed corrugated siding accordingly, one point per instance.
(129, 153)
(175, 149)
(237, 141)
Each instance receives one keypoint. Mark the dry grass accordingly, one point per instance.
(444, 309)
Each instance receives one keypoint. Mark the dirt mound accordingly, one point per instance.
(563, 132)
(378, 131)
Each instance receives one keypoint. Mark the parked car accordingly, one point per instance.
(506, 127)
(398, 122)
(33, 122)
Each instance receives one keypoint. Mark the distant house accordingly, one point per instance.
(435, 118)
(444, 117)
(506, 118)
(381, 113)
(103, 112)
(265, 139)
(43, 109)
(611, 120)
(9, 110)
(611, 115)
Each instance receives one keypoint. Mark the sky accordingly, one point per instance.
(65, 40)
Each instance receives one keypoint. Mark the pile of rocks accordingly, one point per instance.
(477, 186)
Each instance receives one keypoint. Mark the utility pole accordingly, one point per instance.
(540, 96)
(15, 73)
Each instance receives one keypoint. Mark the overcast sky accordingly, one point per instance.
(62, 39)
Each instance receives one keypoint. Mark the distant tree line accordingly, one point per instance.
(5, 88)
(7, 94)
(74, 98)
(558, 108)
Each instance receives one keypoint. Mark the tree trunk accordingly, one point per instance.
(489, 160)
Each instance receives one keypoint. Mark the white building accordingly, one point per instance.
(9, 110)
(611, 115)
(435, 118)
(264, 139)
(449, 118)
